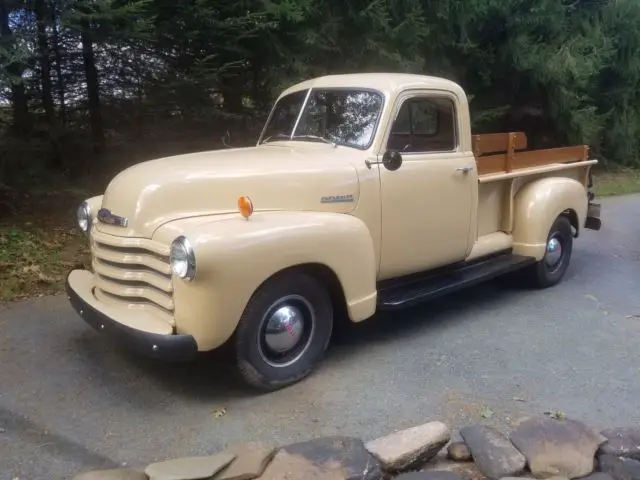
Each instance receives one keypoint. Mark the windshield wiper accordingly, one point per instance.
(316, 137)
(276, 137)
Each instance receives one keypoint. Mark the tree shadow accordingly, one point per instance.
(212, 376)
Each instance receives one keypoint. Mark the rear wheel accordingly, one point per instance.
(550, 270)
(284, 331)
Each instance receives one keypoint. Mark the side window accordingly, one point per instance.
(424, 124)
(424, 117)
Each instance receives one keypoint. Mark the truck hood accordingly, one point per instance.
(276, 176)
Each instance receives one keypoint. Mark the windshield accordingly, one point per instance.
(342, 116)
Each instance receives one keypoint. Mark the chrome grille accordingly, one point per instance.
(133, 272)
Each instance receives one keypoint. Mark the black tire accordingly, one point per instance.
(543, 274)
(259, 365)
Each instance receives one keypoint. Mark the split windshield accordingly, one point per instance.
(342, 116)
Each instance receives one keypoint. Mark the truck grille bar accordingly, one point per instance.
(133, 272)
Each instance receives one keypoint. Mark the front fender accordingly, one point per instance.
(538, 204)
(235, 256)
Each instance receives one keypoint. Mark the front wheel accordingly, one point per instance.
(284, 331)
(550, 270)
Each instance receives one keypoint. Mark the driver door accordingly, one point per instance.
(427, 202)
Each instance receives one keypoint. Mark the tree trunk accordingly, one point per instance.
(45, 79)
(21, 122)
(45, 63)
(58, 65)
(232, 94)
(93, 90)
(139, 92)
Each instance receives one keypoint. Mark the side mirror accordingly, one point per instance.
(392, 160)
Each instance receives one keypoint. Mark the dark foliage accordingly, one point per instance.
(91, 85)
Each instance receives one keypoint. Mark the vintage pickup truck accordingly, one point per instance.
(365, 192)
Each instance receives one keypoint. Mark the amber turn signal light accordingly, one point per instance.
(245, 207)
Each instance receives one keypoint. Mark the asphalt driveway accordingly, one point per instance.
(69, 400)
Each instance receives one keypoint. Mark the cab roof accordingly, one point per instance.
(387, 83)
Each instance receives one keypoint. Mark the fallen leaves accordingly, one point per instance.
(33, 261)
(556, 414)
(486, 413)
(219, 412)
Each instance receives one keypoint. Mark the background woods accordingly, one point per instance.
(88, 86)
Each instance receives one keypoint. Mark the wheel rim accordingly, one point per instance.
(553, 255)
(286, 330)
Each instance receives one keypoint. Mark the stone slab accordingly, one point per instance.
(406, 449)
(493, 453)
(557, 447)
(189, 468)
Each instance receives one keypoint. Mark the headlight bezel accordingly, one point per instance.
(85, 208)
(181, 248)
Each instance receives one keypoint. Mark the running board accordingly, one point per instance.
(413, 292)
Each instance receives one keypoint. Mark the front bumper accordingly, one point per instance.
(154, 338)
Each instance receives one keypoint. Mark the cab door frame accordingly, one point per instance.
(428, 205)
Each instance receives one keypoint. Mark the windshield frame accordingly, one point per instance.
(309, 90)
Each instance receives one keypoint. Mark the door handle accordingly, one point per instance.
(464, 169)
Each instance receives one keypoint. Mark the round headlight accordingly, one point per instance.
(182, 258)
(83, 217)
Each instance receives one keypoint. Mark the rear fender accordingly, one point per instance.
(235, 256)
(538, 204)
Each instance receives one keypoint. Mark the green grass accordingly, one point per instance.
(34, 261)
(622, 182)
(39, 243)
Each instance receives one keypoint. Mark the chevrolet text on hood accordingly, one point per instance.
(364, 192)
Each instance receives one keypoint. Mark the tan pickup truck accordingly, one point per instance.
(365, 192)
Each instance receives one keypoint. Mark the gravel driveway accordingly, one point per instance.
(69, 400)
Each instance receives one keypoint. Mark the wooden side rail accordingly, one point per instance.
(498, 143)
(498, 152)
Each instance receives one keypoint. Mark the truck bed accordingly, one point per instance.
(504, 167)
(505, 153)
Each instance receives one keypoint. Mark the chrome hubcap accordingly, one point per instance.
(286, 331)
(554, 252)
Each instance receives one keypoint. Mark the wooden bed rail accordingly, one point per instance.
(503, 152)
(498, 142)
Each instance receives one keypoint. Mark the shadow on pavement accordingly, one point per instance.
(212, 377)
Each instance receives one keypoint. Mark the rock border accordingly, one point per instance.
(539, 447)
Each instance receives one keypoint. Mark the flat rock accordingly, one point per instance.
(189, 468)
(620, 468)
(113, 474)
(459, 451)
(465, 470)
(432, 475)
(553, 447)
(622, 442)
(250, 462)
(493, 453)
(330, 458)
(410, 448)
(598, 476)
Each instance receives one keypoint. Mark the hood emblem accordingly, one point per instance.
(105, 216)
(337, 199)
